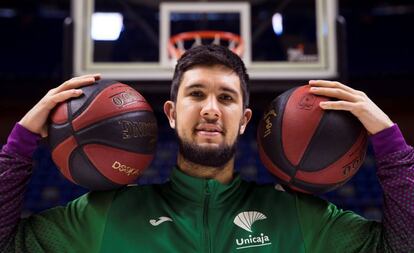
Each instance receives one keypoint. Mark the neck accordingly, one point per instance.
(222, 174)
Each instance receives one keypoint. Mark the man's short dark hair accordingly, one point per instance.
(210, 55)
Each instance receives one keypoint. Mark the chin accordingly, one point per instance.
(209, 145)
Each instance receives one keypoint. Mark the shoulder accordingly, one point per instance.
(102, 200)
(273, 193)
(271, 188)
(94, 198)
(131, 194)
(283, 196)
(98, 203)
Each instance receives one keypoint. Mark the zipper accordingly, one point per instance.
(205, 217)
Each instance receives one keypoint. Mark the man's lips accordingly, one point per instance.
(207, 134)
(209, 129)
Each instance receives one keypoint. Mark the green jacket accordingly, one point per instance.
(190, 214)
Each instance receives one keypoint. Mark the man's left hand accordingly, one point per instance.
(354, 101)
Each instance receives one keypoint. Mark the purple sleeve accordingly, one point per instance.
(15, 171)
(395, 161)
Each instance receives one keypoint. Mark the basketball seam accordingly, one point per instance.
(80, 151)
(116, 115)
(318, 130)
(281, 160)
(110, 145)
(76, 137)
(85, 129)
(315, 188)
(315, 133)
(96, 91)
(279, 129)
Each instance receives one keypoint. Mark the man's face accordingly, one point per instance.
(208, 114)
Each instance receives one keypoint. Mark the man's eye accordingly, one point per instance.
(226, 97)
(196, 94)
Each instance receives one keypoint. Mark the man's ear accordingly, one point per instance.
(247, 115)
(169, 110)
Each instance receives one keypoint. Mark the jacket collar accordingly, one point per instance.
(198, 189)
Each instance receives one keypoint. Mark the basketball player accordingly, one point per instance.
(206, 207)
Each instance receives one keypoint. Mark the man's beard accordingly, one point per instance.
(207, 156)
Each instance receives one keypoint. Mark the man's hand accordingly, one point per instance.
(36, 119)
(354, 101)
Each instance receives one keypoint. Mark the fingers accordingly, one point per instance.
(338, 105)
(336, 90)
(35, 119)
(96, 76)
(330, 84)
(348, 99)
(356, 102)
(76, 82)
(334, 93)
(51, 101)
(68, 89)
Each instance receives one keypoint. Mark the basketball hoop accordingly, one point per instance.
(176, 44)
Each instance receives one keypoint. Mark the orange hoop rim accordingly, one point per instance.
(204, 34)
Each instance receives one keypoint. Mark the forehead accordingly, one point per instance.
(211, 77)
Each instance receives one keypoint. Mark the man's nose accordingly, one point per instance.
(211, 109)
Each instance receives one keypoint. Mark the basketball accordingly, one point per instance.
(307, 148)
(105, 138)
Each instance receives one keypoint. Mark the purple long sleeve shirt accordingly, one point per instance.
(394, 157)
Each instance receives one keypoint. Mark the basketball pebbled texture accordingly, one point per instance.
(307, 148)
(105, 138)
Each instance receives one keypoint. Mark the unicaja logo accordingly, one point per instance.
(251, 241)
(245, 220)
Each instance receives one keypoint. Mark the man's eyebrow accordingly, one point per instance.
(199, 85)
(194, 85)
(230, 90)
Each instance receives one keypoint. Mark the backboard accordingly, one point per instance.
(128, 40)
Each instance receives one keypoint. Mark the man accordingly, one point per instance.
(205, 207)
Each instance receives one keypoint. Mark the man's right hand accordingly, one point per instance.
(36, 119)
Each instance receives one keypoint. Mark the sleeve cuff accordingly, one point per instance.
(388, 141)
(22, 141)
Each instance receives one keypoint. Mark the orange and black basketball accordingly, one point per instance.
(105, 138)
(307, 148)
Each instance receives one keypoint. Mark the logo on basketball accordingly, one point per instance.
(125, 98)
(352, 166)
(125, 169)
(135, 129)
(268, 122)
(307, 102)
